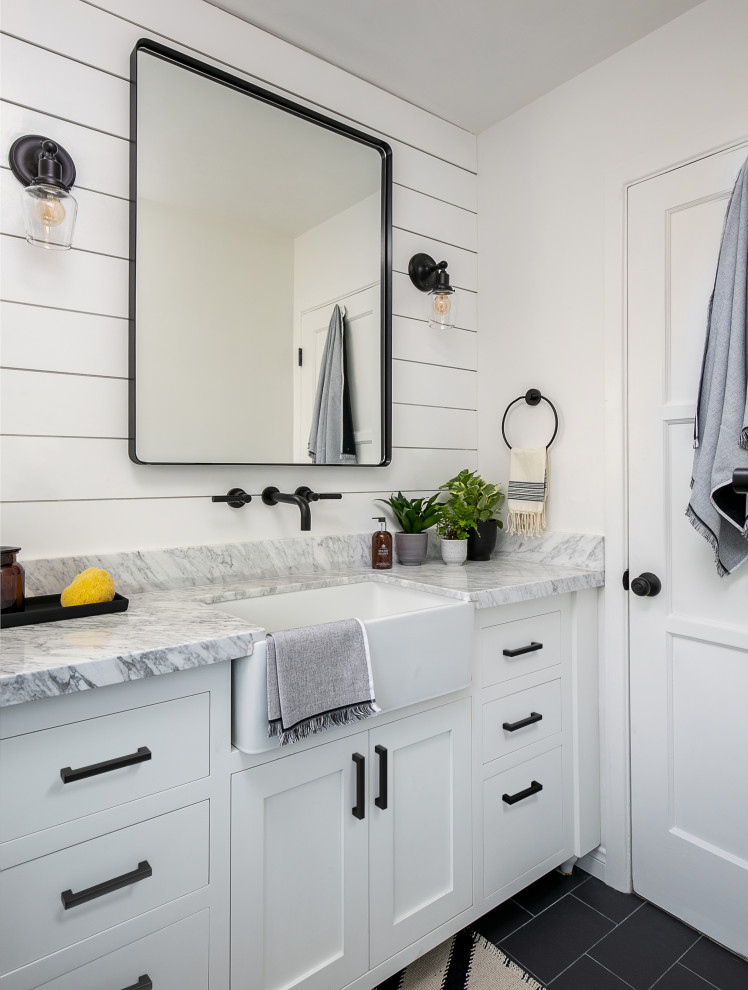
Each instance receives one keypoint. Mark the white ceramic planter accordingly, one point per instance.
(453, 551)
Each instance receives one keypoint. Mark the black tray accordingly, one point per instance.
(47, 608)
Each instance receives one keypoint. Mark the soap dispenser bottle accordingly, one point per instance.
(381, 546)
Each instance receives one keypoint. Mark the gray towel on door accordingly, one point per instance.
(318, 677)
(331, 438)
(716, 511)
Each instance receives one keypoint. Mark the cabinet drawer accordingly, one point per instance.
(171, 852)
(543, 700)
(540, 633)
(523, 834)
(176, 958)
(143, 751)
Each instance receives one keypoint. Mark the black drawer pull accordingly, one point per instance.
(144, 983)
(534, 788)
(532, 717)
(381, 799)
(69, 899)
(359, 808)
(523, 649)
(69, 775)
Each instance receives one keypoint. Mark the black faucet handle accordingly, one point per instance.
(311, 496)
(236, 498)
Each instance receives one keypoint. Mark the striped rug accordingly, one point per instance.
(464, 962)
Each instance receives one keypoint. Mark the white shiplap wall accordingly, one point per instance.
(67, 483)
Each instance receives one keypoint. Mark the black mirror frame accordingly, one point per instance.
(266, 96)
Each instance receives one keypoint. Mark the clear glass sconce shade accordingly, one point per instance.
(442, 308)
(49, 214)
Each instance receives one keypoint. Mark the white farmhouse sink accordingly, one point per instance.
(420, 646)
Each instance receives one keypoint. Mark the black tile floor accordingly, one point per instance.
(574, 933)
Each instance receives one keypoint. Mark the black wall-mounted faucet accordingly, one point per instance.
(271, 496)
(236, 498)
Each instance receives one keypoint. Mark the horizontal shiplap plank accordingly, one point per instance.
(68, 25)
(429, 426)
(33, 77)
(423, 214)
(414, 340)
(102, 162)
(44, 339)
(408, 301)
(90, 283)
(430, 385)
(463, 265)
(417, 170)
(49, 468)
(45, 403)
(62, 529)
(102, 224)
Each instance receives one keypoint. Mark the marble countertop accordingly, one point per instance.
(166, 631)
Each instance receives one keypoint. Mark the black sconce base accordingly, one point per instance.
(24, 156)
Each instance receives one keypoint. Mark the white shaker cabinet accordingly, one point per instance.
(299, 870)
(323, 836)
(420, 849)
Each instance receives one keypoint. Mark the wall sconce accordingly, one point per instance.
(430, 276)
(46, 172)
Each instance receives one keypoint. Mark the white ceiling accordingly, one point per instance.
(472, 62)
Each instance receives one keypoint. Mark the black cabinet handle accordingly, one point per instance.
(69, 899)
(532, 717)
(359, 808)
(144, 983)
(534, 788)
(523, 649)
(381, 800)
(69, 775)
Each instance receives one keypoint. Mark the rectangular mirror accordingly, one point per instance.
(260, 287)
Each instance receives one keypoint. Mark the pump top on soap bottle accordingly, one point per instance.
(381, 546)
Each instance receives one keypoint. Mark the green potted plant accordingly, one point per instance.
(453, 529)
(414, 516)
(482, 502)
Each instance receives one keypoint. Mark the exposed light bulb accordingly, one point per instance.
(49, 210)
(442, 304)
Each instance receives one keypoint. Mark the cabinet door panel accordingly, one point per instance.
(299, 882)
(420, 847)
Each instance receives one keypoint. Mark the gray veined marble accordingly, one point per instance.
(170, 625)
(185, 567)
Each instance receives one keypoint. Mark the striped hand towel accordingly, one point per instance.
(529, 474)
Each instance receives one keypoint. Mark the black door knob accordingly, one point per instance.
(646, 585)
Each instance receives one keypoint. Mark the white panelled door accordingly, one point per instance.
(689, 644)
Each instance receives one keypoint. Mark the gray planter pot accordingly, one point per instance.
(411, 548)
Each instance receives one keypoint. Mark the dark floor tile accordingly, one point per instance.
(548, 889)
(644, 946)
(556, 938)
(586, 974)
(717, 965)
(612, 903)
(502, 921)
(679, 978)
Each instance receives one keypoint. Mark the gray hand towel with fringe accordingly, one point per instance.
(715, 510)
(318, 677)
(331, 438)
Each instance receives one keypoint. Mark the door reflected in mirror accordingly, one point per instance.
(260, 294)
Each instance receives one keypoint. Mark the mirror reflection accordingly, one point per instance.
(258, 297)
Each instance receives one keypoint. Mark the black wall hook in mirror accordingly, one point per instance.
(532, 397)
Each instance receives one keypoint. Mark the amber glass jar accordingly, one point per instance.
(13, 578)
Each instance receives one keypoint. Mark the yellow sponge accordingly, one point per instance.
(88, 587)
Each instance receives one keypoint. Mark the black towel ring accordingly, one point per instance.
(532, 397)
